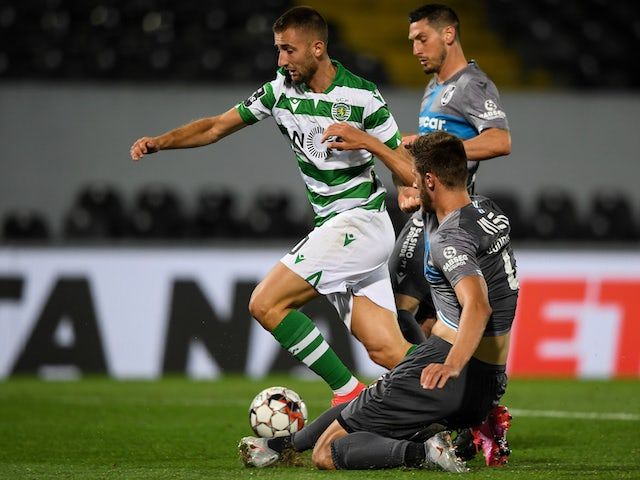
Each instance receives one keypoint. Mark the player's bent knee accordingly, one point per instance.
(321, 457)
(385, 357)
(261, 308)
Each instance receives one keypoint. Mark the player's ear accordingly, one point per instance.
(429, 180)
(449, 34)
(318, 48)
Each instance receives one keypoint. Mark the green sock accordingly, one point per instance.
(298, 334)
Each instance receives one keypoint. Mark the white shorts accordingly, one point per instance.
(348, 255)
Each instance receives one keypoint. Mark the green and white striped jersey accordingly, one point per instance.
(336, 181)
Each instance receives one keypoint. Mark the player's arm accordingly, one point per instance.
(473, 297)
(399, 161)
(490, 143)
(198, 133)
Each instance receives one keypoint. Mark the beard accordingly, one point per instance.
(435, 66)
(425, 200)
(305, 72)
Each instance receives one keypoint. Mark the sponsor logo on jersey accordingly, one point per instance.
(300, 258)
(432, 123)
(449, 252)
(447, 95)
(455, 262)
(313, 143)
(498, 245)
(492, 111)
(418, 222)
(256, 95)
(341, 111)
(410, 242)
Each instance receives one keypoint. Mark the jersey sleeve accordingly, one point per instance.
(484, 109)
(379, 122)
(454, 253)
(260, 105)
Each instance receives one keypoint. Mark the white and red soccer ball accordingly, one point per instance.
(276, 412)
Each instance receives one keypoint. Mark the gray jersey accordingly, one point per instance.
(473, 240)
(464, 106)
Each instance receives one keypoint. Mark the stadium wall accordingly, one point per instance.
(148, 312)
(58, 137)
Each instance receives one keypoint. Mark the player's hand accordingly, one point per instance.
(342, 136)
(408, 199)
(435, 375)
(408, 140)
(143, 146)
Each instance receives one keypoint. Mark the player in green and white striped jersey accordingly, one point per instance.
(345, 257)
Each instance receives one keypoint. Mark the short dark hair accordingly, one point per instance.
(305, 18)
(443, 155)
(438, 16)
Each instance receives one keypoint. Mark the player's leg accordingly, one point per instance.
(407, 307)
(377, 328)
(407, 277)
(274, 303)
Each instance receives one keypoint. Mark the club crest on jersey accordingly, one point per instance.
(341, 111)
(256, 95)
(447, 95)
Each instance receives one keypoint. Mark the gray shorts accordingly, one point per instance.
(396, 406)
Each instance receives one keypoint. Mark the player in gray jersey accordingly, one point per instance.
(462, 100)
(345, 258)
(457, 375)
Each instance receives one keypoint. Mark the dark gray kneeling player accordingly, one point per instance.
(458, 374)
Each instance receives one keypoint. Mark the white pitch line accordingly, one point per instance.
(630, 417)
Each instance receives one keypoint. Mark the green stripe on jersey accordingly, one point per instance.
(307, 106)
(268, 99)
(246, 115)
(377, 203)
(394, 142)
(377, 118)
(363, 190)
(331, 177)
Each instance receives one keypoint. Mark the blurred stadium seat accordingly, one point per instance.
(98, 213)
(611, 217)
(555, 217)
(581, 43)
(25, 225)
(271, 216)
(216, 215)
(158, 214)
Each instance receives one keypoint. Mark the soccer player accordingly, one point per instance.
(457, 375)
(462, 100)
(346, 256)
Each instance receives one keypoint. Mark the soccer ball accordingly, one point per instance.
(276, 412)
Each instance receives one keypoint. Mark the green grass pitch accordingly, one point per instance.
(177, 428)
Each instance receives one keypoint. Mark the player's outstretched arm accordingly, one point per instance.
(473, 296)
(348, 137)
(194, 134)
